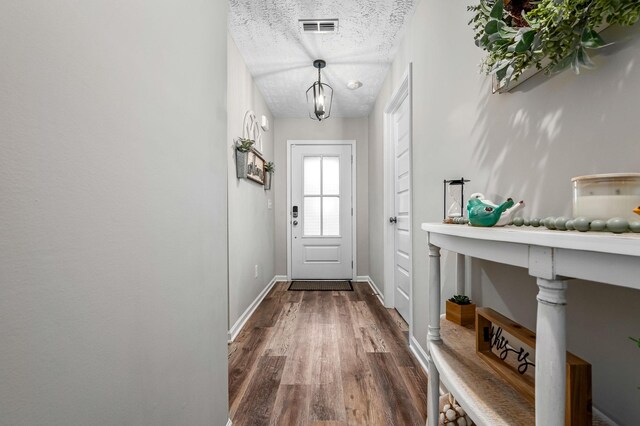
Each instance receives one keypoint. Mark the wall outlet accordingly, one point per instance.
(255, 274)
(269, 204)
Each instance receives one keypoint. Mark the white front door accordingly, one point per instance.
(321, 209)
(402, 195)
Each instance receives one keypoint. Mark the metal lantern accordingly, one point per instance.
(319, 96)
(453, 206)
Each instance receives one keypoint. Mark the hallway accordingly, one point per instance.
(320, 358)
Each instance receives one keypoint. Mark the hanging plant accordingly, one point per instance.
(520, 34)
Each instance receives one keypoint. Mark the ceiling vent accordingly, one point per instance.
(319, 26)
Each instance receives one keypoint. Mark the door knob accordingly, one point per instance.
(295, 222)
(393, 219)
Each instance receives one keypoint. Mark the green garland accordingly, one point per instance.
(519, 34)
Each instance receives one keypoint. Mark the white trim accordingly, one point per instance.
(373, 286)
(281, 278)
(364, 278)
(403, 92)
(235, 330)
(419, 353)
(229, 422)
(354, 196)
(603, 416)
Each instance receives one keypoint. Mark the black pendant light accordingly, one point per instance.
(319, 96)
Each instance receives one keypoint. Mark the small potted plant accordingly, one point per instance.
(461, 311)
(269, 170)
(243, 146)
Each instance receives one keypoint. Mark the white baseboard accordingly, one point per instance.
(364, 278)
(235, 330)
(373, 286)
(281, 278)
(229, 422)
(604, 417)
(419, 353)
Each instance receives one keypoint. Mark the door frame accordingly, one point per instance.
(404, 91)
(354, 186)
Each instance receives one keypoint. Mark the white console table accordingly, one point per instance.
(552, 257)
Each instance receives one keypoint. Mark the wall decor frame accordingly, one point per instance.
(251, 130)
(255, 166)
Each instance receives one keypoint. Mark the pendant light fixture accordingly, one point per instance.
(319, 96)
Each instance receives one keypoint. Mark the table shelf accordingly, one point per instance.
(486, 396)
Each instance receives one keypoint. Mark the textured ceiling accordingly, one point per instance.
(280, 56)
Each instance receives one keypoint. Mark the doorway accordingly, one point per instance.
(321, 214)
(398, 200)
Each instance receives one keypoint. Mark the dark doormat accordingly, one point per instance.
(320, 286)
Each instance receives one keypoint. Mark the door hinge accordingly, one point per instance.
(351, 211)
(352, 264)
(352, 159)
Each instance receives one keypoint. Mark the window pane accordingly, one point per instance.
(311, 175)
(331, 176)
(311, 216)
(331, 216)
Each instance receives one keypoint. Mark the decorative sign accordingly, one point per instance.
(255, 167)
(502, 343)
(251, 130)
(499, 343)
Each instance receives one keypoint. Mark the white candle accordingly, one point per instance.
(606, 206)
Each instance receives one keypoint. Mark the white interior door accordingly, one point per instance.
(402, 211)
(321, 212)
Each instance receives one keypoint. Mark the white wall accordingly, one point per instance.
(251, 222)
(334, 128)
(113, 215)
(526, 144)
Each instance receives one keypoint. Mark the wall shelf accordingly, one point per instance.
(553, 257)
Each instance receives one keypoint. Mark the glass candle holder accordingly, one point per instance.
(606, 196)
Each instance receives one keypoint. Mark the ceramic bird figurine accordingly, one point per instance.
(637, 210)
(507, 216)
(485, 214)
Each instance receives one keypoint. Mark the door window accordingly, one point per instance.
(321, 205)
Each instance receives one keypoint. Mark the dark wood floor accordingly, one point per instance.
(325, 358)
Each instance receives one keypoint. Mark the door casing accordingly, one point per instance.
(404, 91)
(354, 203)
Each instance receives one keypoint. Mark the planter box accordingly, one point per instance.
(268, 176)
(461, 314)
(241, 164)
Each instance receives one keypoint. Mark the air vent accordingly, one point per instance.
(319, 26)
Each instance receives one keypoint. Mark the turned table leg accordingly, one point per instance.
(551, 350)
(433, 336)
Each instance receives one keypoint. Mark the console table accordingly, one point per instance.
(553, 257)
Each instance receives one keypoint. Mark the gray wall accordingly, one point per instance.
(251, 222)
(113, 220)
(526, 144)
(334, 128)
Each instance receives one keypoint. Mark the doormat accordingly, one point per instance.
(321, 286)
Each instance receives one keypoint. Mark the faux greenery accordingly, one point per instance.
(244, 145)
(270, 167)
(459, 299)
(519, 34)
(636, 340)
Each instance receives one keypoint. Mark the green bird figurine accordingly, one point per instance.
(482, 214)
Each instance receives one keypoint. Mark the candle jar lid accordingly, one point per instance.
(608, 177)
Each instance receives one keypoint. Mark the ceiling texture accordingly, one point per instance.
(280, 56)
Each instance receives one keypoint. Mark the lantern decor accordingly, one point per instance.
(319, 96)
(453, 207)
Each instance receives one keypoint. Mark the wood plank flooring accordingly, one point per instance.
(325, 358)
